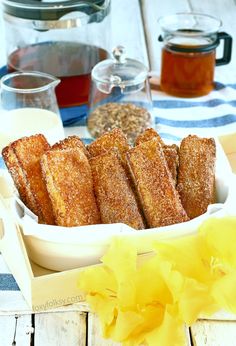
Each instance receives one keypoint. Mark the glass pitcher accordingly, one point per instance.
(63, 38)
(189, 53)
(120, 96)
(28, 106)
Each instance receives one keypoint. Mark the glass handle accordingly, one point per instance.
(227, 50)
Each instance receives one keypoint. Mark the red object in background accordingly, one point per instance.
(71, 62)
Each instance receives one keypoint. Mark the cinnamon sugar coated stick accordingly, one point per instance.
(70, 142)
(115, 196)
(22, 158)
(114, 139)
(20, 180)
(196, 178)
(69, 182)
(159, 198)
(170, 151)
(147, 135)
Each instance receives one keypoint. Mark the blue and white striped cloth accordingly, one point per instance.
(211, 115)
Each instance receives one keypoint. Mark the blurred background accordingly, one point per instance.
(134, 25)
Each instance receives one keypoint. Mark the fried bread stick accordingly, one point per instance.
(154, 184)
(147, 135)
(113, 140)
(22, 158)
(171, 153)
(115, 197)
(110, 140)
(20, 181)
(69, 183)
(196, 177)
(70, 142)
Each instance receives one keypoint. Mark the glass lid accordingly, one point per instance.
(189, 24)
(119, 71)
(190, 32)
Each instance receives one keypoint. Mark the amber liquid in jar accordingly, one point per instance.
(71, 62)
(187, 74)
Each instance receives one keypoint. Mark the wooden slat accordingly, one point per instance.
(152, 10)
(187, 337)
(220, 315)
(95, 338)
(224, 10)
(127, 29)
(15, 329)
(209, 333)
(65, 328)
(94, 333)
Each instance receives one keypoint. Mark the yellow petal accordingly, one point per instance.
(170, 333)
(107, 312)
(152, 317)
(195, 299)
(98, 279)
(184, 255)
(150, 286)
(220, 237)
(173, 279)
(121, 258)
(100, 286)
(126, 323)
(126, 294)
(224, 292)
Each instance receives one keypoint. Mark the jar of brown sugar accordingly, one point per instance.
(120, 96)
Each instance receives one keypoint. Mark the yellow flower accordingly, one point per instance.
(140, 299)
(219, 237)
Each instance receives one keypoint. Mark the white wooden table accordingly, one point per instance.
(134, 25)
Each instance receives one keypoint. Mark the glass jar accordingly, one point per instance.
(28, 106)
(62, 38)
(189, 53)
(120, 96)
